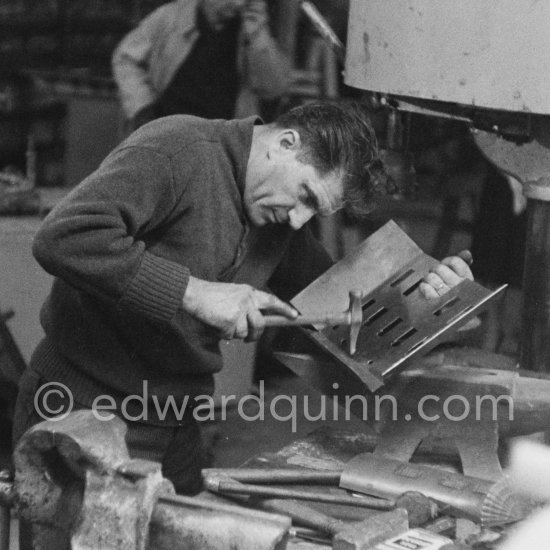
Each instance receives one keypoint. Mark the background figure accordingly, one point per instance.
(209, 58)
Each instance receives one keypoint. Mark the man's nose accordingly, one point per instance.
(299, 215)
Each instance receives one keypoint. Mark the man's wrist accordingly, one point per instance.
(190, 297)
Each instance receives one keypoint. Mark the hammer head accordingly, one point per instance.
(364, 535)
(355, 318)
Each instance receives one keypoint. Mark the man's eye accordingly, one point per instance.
(310, 199)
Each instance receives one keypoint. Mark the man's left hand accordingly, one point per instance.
(449, 273)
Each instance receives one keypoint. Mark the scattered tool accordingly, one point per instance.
(486, 502)
(360, 535)
(222, 484)
(420, 509)
(301, 476)
(353, 317)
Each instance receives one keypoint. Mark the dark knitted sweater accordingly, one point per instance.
(165, 204)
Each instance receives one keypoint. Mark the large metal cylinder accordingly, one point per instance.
(492, 53)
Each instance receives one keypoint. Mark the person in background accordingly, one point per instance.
(208, 58)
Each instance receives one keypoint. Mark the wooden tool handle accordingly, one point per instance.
(301, 320)
(229, 486)
(302, 515)
(278, 475)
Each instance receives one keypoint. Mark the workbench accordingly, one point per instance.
(329, 449)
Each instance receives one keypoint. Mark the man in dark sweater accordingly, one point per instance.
(170, 245)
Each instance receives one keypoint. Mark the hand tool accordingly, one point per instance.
(223, 484)
(420, 509)
(361, 535)
(301, 476)
(486, 502)
(353, 317)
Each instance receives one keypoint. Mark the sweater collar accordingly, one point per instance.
(238, 141)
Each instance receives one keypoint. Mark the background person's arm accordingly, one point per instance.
(130, 65)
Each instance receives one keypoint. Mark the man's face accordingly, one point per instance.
(219, 12)
(290, 191)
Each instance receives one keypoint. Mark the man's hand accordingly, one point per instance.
(449, 273)
(231, 308)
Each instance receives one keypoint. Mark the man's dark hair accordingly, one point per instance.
(338, 136)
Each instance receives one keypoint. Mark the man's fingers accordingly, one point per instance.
(241, 328)
(448, 276)
(428, 291)
(466, 255)
(269, 302)
(437, 283)
(256, 325)
(227, 333)
(459, 266)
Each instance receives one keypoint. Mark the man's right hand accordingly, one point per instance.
(233, 309)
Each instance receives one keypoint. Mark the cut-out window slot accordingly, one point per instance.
(412, 288)
(417, 345)
(366, 305)
(390, 326)
(382, 311)
(446, 306)
(405, 275)
(405, 336)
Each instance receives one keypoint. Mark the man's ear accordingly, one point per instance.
(286, 141)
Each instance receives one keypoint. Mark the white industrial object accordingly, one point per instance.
(490, 53)
(529, 473)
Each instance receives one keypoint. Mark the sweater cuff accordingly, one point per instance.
(157, 289)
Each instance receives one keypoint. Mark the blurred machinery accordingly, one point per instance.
(480, 62)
